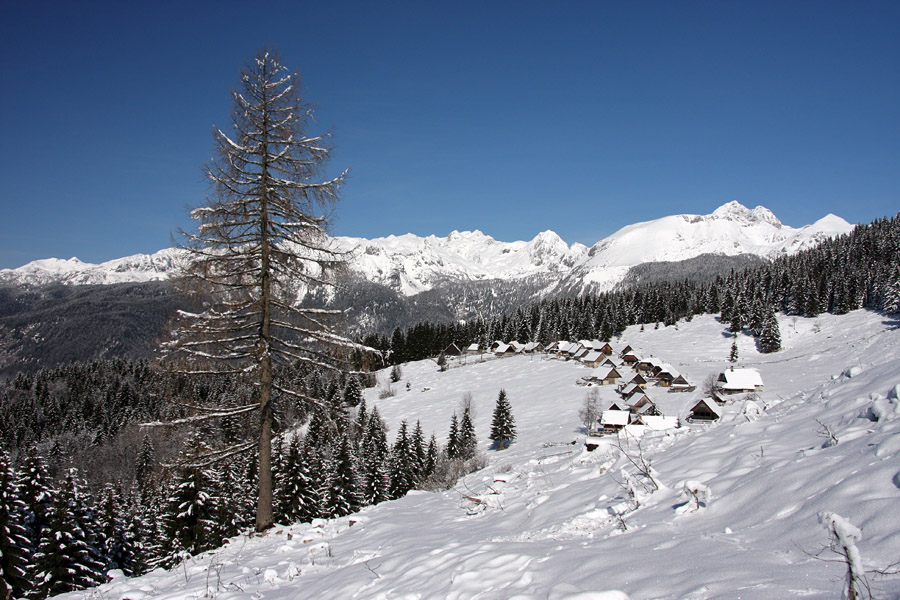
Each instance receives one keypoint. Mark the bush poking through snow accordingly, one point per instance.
(697, 495)
(825, 431)
(844, 536)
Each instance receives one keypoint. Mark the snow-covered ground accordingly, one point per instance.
(547, 519)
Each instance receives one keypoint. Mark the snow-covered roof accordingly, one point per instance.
(502, 348)
(473, 347)
(667, 368)
(711, 404)
(658, 422)
(740, 379)
(569, 347)
(592, 356)
(615, 417)
(632, 388)
(611, 374)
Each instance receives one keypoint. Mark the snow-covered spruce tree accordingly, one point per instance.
(453, 438)
(36, 491)
(67, 558)
(503, 424)
(403, 464)
(15, 551)
(260, 239)
(770, 334)
(467, 441)
(341, 495)
(419, 450)
(190, 516)
(375, 461)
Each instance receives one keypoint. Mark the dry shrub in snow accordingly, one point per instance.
(697, 495)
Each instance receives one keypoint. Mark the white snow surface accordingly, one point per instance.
(546, 519)
(410, 264)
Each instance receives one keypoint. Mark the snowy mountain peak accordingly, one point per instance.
(737, 212)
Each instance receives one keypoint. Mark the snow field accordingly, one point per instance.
(548, 519)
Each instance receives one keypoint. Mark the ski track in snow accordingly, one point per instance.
(550, 519)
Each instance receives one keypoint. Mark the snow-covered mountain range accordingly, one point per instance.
(410, 264)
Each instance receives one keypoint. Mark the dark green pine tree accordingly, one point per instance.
(353, 391)
(453, 438)
(15, 549)
(141, 515)
(891, 300)
(341, 494)
(145, 464)
(35, 491)
(375, 461)
(118, 545)
(770, 337)
(66, 560)
(467, 440)
(403, 464)
(237, 506)
(191, 507)
(362, 420)
(419, 449)
(733, 355)
(431, 458)
(296, 499)
(503, 424)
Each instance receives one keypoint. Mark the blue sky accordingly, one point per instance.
(508, 117)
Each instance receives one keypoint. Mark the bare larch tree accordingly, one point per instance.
(260, 242)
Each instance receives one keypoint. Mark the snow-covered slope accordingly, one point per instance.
(409, 264)
(549, 520)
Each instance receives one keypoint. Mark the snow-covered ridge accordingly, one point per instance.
(410, 264)
(130, 269)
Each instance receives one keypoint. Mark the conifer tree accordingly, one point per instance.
(733, 354)
(66, 559)
(259, 237)
(341, 494)
(431, 458)
(453, 438)
(770, 336)
(118, 544)
(467, 440)
(36, 492)
(296, 497)
(375, 465)
(403, 464)
(141, 516)
(190, 520)
(145, 464)
(15, 549)
(419, 450)
(503, 424)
